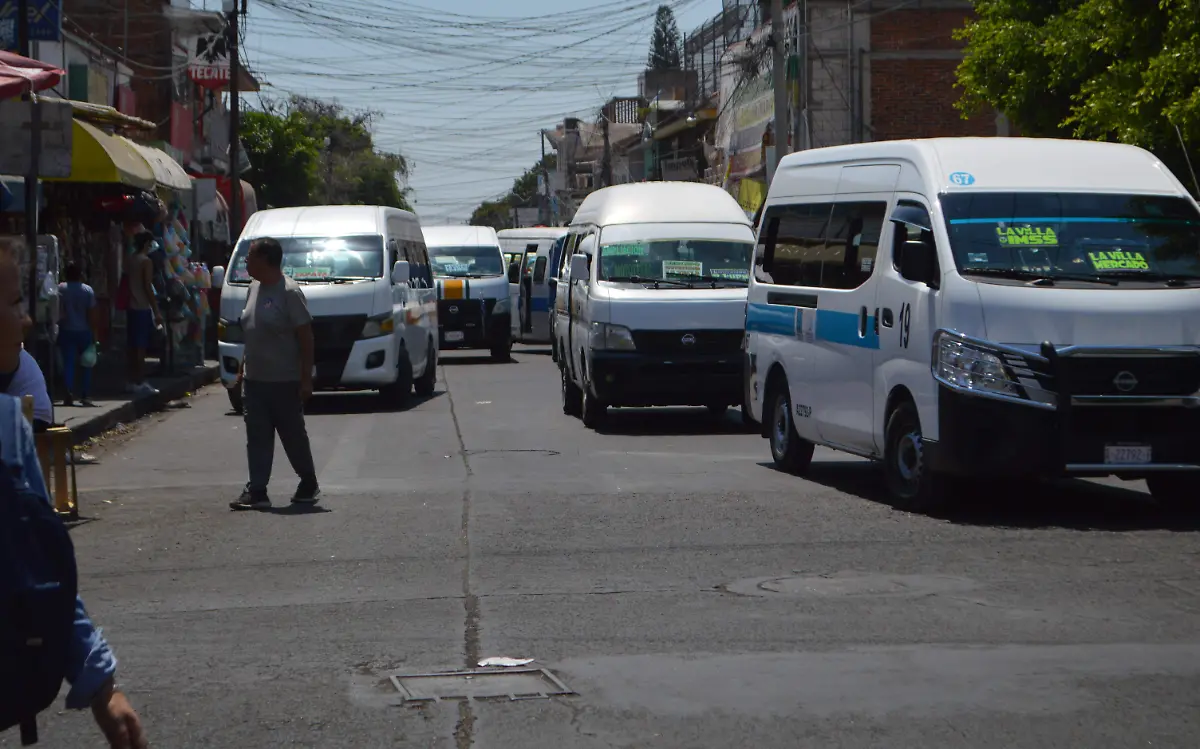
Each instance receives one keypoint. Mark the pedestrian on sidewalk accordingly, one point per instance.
(76, 332)
(19, 372)
(277, 369)
(143, 316)
(87, 663)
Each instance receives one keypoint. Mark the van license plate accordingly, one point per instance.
(453, 336)
(1127, 454)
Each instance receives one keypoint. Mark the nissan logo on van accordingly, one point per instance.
(1125, 381)
(454, 310)
(688, 340)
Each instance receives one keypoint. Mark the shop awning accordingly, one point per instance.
(100, 158)
(167, 172)
(21, 75)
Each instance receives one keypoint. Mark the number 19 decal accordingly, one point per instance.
(905, 323)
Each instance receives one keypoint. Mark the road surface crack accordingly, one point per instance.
(464, 730)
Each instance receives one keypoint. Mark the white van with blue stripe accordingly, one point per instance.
(980, 307)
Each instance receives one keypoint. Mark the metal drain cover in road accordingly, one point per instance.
(849, 584)
(483, 684)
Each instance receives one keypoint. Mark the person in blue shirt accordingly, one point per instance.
(92, 664)
(77, 301)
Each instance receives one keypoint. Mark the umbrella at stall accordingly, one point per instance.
(21, 75)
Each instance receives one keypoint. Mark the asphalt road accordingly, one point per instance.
(691, 595)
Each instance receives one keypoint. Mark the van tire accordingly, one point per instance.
(235, 399)
(427, 382)
(502, 350)
(594, 410)
(396, 395)
(789, 450)
(1174, 491)
(572, 396)
(913, 487)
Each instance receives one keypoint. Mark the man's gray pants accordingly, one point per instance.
(270, 408)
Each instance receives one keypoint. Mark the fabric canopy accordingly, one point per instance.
(167, 172)
(21, 75)
(100, 158)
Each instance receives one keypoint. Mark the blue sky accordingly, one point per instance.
(463, 85)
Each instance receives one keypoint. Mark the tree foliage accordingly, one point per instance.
(1118, 70)
(310, 152)
(665, 45)
(498, 214)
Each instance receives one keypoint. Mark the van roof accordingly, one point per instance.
(533, 232)
(322, 221)
(460, 236)
(1004, 164)
(660, 203)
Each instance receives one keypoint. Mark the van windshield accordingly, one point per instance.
(1112, 239)
(467, 262)
(676, 260)
(315, 259)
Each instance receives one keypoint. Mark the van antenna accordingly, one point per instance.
(1189, 161)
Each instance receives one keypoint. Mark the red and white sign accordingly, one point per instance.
(208, 61)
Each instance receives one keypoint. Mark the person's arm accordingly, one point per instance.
(301, 319)
(147, 272)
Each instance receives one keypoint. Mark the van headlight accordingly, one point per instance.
(380, 326)
(606, 337)
(230, 332)
(970, 366)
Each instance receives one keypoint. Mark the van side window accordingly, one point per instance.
(426, 268)
(539, 270)
(853, 243)
(794, 253)
(904, 233)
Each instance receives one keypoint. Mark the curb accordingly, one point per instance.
(169, 390)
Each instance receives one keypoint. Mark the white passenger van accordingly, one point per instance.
(652, 314)
(367, 280)
(530, 291)
(474, 308)
(980, 307)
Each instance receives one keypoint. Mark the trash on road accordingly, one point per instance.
(505, 662)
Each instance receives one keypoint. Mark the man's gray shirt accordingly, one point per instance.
(269, 324)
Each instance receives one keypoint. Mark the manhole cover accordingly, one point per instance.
(849, 584)
(483, 684)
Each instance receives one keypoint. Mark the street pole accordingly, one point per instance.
(779, 79)
(235, 180)
(606, 164)
(31, 177)
(544, 198)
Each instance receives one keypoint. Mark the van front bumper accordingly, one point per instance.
(364, 364)
(980, 436)
(472, 324)
(635, 379)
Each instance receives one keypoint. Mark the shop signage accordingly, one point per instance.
(56, 127)
(679, 170)
(45, 22)
(208, 60)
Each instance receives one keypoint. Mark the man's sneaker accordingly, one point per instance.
(251, 501)
(308, 493)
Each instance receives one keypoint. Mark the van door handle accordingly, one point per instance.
(888, 321)
(862, 323)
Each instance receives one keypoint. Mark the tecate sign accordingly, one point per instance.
(208, 65)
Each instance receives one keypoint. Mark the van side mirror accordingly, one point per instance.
(579, 268)
(401, 272)
(514, 272)
(918, 262)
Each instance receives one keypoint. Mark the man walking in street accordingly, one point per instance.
(143, 316)
(276, 376)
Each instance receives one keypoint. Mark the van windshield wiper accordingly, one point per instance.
(1166, 278)
(655, 281)
(1038, 279)
(714, 280)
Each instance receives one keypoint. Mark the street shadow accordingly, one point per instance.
(535, 351)
(458, 361)
(671, 422)
(291, 509)
(1070, 504)
(365, 402)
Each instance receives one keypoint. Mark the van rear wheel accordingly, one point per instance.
(790, 452)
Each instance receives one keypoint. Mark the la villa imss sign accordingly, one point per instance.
(209, 63)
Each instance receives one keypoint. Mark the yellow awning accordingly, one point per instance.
(99, 158)
(167, 172)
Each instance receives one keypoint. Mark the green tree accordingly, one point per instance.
(1116, 70)
(665, 42)
(498, 214)
(307, 152)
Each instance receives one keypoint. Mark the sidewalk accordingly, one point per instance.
(114, 406)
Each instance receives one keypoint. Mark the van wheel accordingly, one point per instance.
(572, 397)
(426, 383)
(235, 399)
(396, 394)
(790, 452)
(912, 485)
(593, 410)
(1174, 491)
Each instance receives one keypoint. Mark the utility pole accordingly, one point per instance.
(235, 70)
(606, 165)
(779, 79)
(31, 177)
(544, 198)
